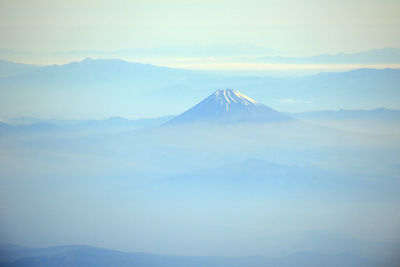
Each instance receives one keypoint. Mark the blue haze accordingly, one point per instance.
(275, 190)
(131, 151)
(312, 188)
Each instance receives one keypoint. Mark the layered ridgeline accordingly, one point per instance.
(142, 90)
(229, 106)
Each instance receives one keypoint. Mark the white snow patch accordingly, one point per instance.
(245, 98)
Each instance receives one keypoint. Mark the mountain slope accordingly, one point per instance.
(99, 71)
(8, 68)
(229, 106)
(114, 87)
(93, 256)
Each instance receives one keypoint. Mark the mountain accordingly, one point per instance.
(101, 71)
(229, 106)
(112, 124)
(8, 68)
(96, 75)
(31, 128)
(93, 256)
(115, 84)
(115, 87)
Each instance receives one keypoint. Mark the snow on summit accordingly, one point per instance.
(227, 97)
(229, 106)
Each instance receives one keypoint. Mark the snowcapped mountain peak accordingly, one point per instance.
(229, 106)
(227, 97)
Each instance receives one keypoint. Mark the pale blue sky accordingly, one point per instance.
(298, 27)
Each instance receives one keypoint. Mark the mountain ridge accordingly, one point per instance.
(9, 68)
(129, 88)
(81, 255)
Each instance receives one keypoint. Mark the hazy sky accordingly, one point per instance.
(298, 27)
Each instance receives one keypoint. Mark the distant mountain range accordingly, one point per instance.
(214, 109)
(172, 51)
(238, 52)
(26, 124)
(229, 106)
(8, 68)
(243, 53)
(110, 86)
(86, 256)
